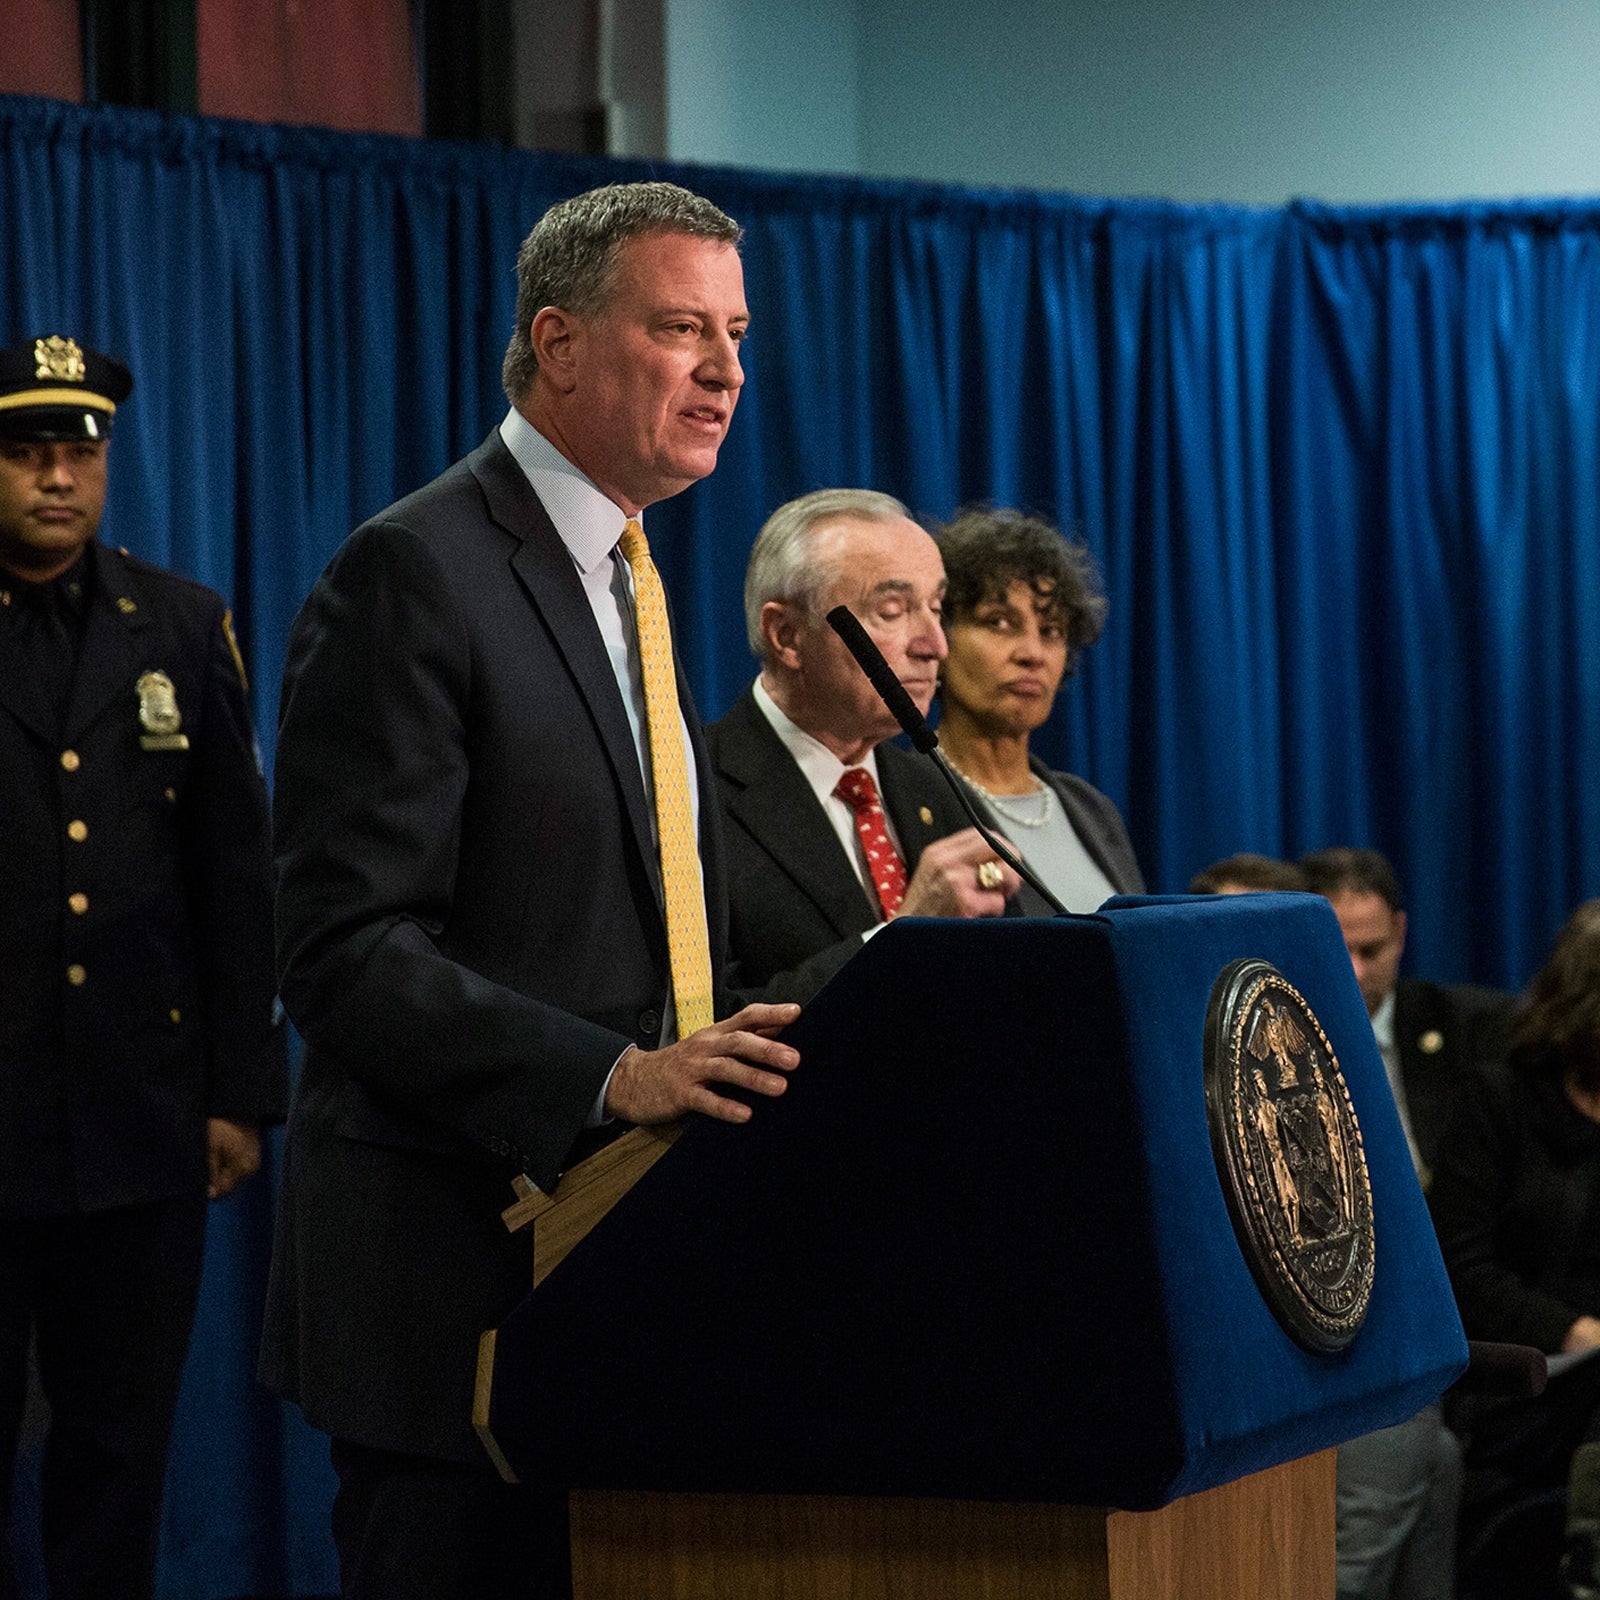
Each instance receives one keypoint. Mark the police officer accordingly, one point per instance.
(139, 1056)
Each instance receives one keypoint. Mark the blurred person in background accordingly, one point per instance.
(1516, 1202)
(1399, 1488)
(1249, 874)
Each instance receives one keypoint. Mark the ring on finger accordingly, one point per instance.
(989, 875)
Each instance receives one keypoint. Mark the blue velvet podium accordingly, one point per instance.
(979, 1253)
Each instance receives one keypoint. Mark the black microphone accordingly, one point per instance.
(892, 692)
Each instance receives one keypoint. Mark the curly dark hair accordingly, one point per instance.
(986, 551)
(1557, 1026)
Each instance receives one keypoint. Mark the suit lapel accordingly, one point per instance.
(1424, 1073)
(544, 567)
(775, 806)
(110, 649)
(20, 693)
(915, 821)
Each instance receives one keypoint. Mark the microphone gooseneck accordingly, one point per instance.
(892, 692)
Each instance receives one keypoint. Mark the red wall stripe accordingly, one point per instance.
(349, 64)
(42, 53)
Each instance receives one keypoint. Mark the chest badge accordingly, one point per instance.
(158, 713)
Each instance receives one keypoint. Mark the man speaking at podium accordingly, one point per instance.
(832, 832)
(499, 913)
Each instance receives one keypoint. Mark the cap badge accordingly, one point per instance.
(59, 359)
(158, 713)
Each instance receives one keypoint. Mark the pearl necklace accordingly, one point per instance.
(1043, 793)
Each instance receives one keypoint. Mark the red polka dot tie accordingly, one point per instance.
(688, 944)
(860, 793)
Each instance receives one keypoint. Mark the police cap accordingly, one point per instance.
(54, 388)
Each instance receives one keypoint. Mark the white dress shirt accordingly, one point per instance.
(590, 525)
(1383, 1032)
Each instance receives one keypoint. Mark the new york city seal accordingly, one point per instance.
(1289, 1154)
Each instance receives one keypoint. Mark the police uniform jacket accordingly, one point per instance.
(136, 983)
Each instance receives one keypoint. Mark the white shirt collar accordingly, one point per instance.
(822, 768)
(1383, 1022)
(589, 524)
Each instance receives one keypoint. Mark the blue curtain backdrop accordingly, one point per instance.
(1340, 468)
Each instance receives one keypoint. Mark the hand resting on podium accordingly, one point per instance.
(653, 1086)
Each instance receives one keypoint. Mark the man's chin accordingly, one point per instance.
(694, 465)
(37, 558)
(679, 474)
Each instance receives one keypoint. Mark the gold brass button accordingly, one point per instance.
(926, 816)
(175, 1014)
(77, 830)
(78, 902)
(76, 975)
(172, 794)
(69, 759)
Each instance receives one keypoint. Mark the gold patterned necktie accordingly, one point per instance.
(688, 943)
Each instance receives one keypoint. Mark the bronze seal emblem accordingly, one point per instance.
(158, 713)
(1289, 1154)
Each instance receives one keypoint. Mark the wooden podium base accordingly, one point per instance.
(1265, 1537)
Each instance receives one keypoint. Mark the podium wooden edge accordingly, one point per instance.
(585, 1194)
(483, 1387)
(561, 1221)
(1266, 1536)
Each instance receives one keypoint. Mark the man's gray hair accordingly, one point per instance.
(569, 260)
(782, 565)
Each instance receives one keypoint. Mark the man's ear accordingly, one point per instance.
(780, 632)
(555, 335)
(1400, 930)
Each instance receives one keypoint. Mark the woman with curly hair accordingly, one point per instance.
(1021, 603)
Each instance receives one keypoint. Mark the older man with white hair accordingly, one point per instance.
(831, 832)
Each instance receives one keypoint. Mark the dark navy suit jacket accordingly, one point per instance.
(796, 909)
(469, 935)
